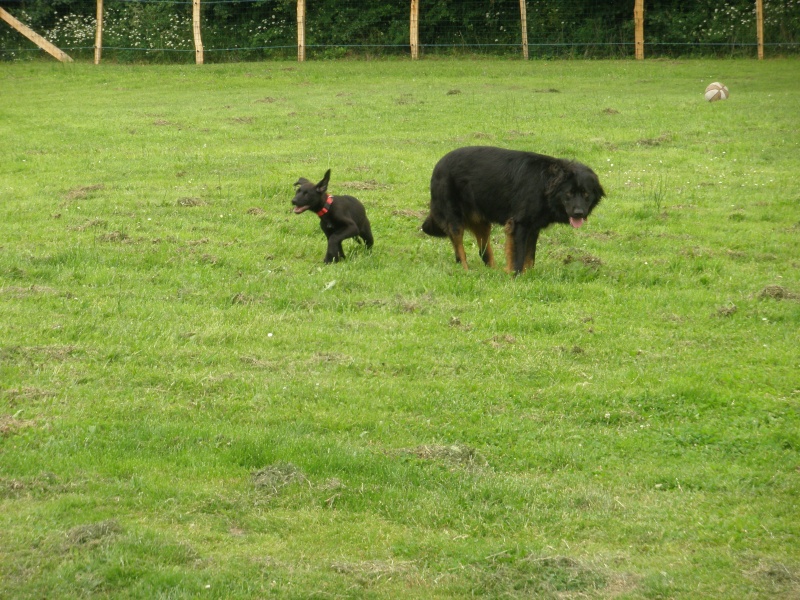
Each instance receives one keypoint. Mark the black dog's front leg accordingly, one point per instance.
(334, 251)
(530, 255)
(328, 229)
(331, 257)
(335, 239)
(525, 238)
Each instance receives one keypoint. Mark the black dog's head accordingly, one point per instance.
(431, 227)
(574, 189)
(310, 196)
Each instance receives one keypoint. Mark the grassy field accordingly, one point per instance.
(193, 406)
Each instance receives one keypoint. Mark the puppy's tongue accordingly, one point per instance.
(299, 209)
(576, 223)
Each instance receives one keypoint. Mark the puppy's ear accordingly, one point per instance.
(301, 181)
(322, 186)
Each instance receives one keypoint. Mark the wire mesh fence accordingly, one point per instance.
(233, 30)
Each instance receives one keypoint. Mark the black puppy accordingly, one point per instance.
(340, 217)
(473, 187)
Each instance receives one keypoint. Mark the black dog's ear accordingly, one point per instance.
(557, 174)
(598, 190)
(322, 186)
(301, 181)
(589, 180)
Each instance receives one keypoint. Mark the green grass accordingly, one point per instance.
(193, 405)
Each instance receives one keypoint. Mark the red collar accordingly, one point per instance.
(325, 208)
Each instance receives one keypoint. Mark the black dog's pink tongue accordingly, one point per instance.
(576, 223)
(299, 209)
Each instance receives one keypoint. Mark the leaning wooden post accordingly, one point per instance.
(35, 37)
(638, 22)
(760, 28)
(98, 35)
(414, 33)
(301, 30)
(523, 15)
(198, 40)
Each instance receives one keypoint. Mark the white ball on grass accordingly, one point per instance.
(716, 91)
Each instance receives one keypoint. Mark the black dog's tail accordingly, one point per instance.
(366, 235)
(432, 228)
(365, 239)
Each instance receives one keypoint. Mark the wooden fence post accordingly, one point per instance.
(414, 34)
(98, 35)
(638, 22)
(523, 16)
(198, 40)
(34, 37)
(301, 30)
(760, 28)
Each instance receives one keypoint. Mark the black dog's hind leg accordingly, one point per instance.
(483, 232)
(457, 239)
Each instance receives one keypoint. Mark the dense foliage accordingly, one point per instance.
(162, 29)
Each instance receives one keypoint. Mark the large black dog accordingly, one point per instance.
(340, 217)
(473, 187)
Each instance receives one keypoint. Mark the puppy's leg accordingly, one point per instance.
(336, 238)
(329, 254)
(483, 233)
(334, 253)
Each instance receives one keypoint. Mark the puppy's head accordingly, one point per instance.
(310, 196)
(575, 189)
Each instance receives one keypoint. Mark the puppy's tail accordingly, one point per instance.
(365, 240)
(365, 235)
(432, 228)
